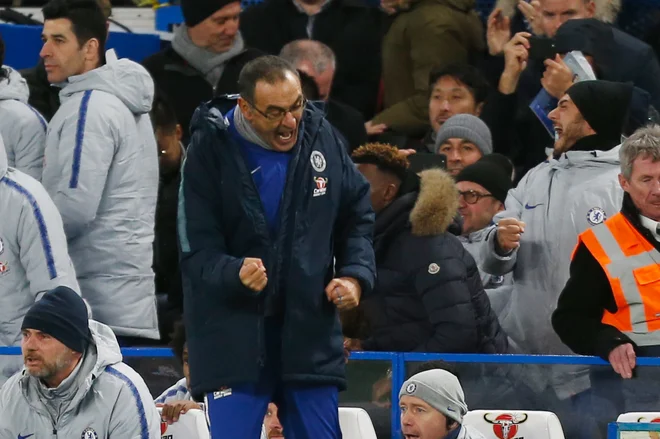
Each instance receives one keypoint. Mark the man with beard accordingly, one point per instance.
(554, 202)
(74, 380)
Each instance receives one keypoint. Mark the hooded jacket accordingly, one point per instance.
(557, 200)
(103, 398)
(22, 128)
(428, 295)
(102, 173)
(433, 33)
(325, 231)
(33, 253)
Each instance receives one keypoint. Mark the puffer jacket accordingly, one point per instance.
(102, 172)
(33, 254)
(105, 399)
(428, 295)
(22, 128)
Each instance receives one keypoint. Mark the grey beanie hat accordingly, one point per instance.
(468, 127)
(439, 389)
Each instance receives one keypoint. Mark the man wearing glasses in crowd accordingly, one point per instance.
(275, 229)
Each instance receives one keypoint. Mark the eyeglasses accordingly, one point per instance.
(472, 197)
(276, 114)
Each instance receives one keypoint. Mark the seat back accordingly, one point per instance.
(355, 423)
(191, 425)
(511, 424)
(646, 417)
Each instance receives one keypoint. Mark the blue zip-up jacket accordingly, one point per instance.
(325, 213)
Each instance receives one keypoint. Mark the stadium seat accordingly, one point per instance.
(646, 417)
(355, 423)
(507, 424)
(191, 425)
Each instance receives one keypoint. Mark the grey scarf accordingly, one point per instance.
(246, 131)
(210, 64)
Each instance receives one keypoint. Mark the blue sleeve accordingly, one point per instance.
(204, 258)
(354, 227)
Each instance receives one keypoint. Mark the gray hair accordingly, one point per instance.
(645, 143)
(318, 54)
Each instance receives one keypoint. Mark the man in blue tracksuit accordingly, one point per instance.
(275, 229)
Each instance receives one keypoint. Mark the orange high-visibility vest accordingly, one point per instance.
(632, 265)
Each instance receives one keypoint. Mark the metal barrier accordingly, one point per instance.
(398, 362)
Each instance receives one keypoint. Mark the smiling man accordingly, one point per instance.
(553, 203)
(275, 227)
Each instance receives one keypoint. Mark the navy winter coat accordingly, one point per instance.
(325, 213)
(429, 296)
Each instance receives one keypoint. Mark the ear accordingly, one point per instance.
(591, 9)
(390, 192)
(625, 184)
(178, 132)
(477, 111)
(92, 49)
(245, 108)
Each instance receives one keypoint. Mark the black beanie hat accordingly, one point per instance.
(62, 314)
(604, 105)
(196, 11)
(490, 175)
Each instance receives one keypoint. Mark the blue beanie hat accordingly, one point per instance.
(62, 314)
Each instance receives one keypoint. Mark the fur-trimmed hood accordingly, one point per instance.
(437, 203)
(606, 10)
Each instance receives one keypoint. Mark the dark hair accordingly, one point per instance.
(309, 88)
(385, 156)
(87, 19)
(178, 339)
(162, 113)
(267, 68)
(466, 74)
(435, 364)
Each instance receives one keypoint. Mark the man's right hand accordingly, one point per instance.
(498, 31)
(516, 54)
(253, 274)
(623, 360)
(509, 231)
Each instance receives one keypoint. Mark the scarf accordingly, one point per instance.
(246, 131)
(210, 64)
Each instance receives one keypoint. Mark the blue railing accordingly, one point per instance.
(398, 363)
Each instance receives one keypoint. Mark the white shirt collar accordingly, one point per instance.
(651, 225)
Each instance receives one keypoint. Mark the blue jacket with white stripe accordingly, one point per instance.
(101, 170)
(102, 398)
(33, 253)
(325, 230)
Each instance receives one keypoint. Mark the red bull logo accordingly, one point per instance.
(505, 426)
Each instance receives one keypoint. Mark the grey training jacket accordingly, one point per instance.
(22, 128)
(107, 400)
(33, 254)
(557, 200)
(101, 170)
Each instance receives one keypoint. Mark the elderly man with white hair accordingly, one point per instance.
(610, 306)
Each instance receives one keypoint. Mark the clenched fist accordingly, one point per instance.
(253, 274)
(509, 231)
(344, 292)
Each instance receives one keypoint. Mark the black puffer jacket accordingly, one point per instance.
(428, 295)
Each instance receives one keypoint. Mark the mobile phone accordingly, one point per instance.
(422, 161)
(542, 48)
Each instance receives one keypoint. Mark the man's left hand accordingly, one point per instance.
(557, 77)
(345, 292)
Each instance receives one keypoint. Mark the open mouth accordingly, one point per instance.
(285, 137)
